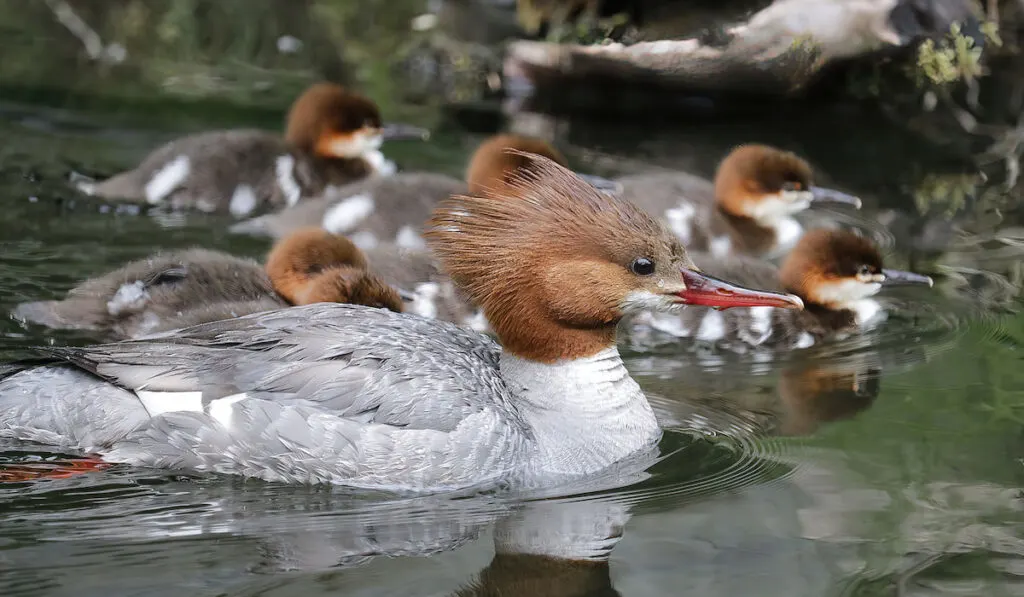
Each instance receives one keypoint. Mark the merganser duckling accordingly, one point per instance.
(171, 290)
(393, 209)
(748, 210)
(835, 272)
(362, 397)
(333, 137)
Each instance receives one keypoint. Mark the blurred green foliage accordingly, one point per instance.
(238, 52)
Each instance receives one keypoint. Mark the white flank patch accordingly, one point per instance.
(805, 340)
(167, 179)
(680, 221)
(721, 246)
(364, 239)
(345, 215)
(423, 299)
(129, 297)
(158, 403)
(284, 167)
(243, 201)
(760, 326)
(712, 327)
(408, 238)
(222, 409)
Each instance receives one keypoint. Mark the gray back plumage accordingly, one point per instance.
(403, 199)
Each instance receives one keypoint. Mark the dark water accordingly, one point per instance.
(887, 464)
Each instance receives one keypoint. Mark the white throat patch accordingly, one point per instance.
(775, 206)
(851, 294)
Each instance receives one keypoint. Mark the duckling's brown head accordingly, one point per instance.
(498, 160)
(495, 163)
(768, 184)
(331, 121)
(346, 284)
(837, 268)
(305, 253)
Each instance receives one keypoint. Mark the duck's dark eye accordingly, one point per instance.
(864, 270)
(791, 186)
(642, 266)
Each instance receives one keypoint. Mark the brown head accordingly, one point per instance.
(305, 253)
(555, 264)
(495, 163)
(768, 184)
(332, 122)
(346, 284)
(836, 268)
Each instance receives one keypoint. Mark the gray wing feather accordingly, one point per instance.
(367, 364)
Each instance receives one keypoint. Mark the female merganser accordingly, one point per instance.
(179, 288)
(748, 210)
(834, 272)
(393, 209)
(365, 397)
(333, 137)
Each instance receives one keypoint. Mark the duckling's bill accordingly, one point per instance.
(895, 277)
(705, 290)
(823, 195)
(394, 131)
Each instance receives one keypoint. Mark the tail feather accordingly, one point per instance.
(125, 186)
(61, 315)
(65, 407)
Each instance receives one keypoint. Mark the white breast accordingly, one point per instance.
(585, 414)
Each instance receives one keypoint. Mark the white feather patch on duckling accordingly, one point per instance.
(130, 297)
(760, 328)
(364, 239)
(721, 246)
(243, 201)
(477, 322)
(167, 179)
(787, 233)
(424, 301)
(348, 213)
(712, 327)
(680, 221)
(806, 340)
(284, 168)
(408, 238)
